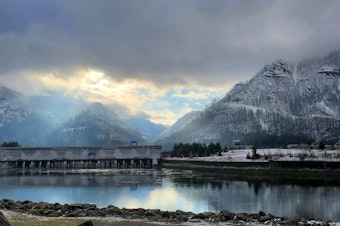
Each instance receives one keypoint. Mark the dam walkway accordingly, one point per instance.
(124, 156)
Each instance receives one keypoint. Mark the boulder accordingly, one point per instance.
(195, 221)
(27, 204)
(52, 213)
(86, 223)
(113, 210)
(204, 215)
(225, 215)
(3, 220)
(96, 213)
(291, 222)
(74, 206)
(265, 218)
(262, 214)
(37, 212)
(75, 213)
(56, 206)
(182, 217)
(165, 214)
(42, 205)
(152, 212)
(243, 216)
(10, 204)
(89, 206)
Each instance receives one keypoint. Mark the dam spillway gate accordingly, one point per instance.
(141, 156)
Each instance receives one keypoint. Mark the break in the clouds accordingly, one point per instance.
(154, 47)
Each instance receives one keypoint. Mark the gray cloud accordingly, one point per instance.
(167, 41)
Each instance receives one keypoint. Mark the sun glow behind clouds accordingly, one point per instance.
(163, 105)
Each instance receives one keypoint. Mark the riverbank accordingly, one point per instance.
(286, 175)
(291, 164)
(30, 213)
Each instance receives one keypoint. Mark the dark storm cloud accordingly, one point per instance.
(17, 15)
(165, 41)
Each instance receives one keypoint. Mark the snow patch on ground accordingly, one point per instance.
(270, 154)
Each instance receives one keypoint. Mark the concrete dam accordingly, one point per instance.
(145, 156)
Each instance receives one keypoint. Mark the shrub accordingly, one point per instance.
(254, 153)
(302, 156)
(337, 155)
(268, 156)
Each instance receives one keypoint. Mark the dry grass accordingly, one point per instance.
(21, 219)
(73, 222)
(43, 221)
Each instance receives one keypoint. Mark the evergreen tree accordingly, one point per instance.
(254, 153)
(321, 145)
(10, 144)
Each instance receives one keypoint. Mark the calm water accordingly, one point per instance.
(171, 191)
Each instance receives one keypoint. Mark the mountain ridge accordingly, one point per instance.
(24, 114)
(95, 126)
(27, 121)
(300, 99)
(281, 99)
(148, 129)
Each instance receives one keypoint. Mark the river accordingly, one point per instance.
(172, 190)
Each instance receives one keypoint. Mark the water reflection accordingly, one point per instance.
(196, 193)
(279, 199)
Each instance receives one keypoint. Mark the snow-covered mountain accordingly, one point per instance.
(95, 126)
(180, 123)
(148, 129)
(282, 101)
(35, 122)
(24, 119)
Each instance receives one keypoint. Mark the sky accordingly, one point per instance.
(155, 58)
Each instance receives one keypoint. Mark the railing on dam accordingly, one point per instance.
(81, 157)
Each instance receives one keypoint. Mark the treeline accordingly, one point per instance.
(196, 149)
(10, 144)
(263, 140)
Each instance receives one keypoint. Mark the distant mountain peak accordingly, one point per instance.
(100, 110)
(6, 93)
(97, 105)
(95, 126)
(148, 129)
(97, 108)
(278, 68)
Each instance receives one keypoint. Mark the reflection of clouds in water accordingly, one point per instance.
(162, 198)
(193, 194)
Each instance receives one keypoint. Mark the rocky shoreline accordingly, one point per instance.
(153, 215)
